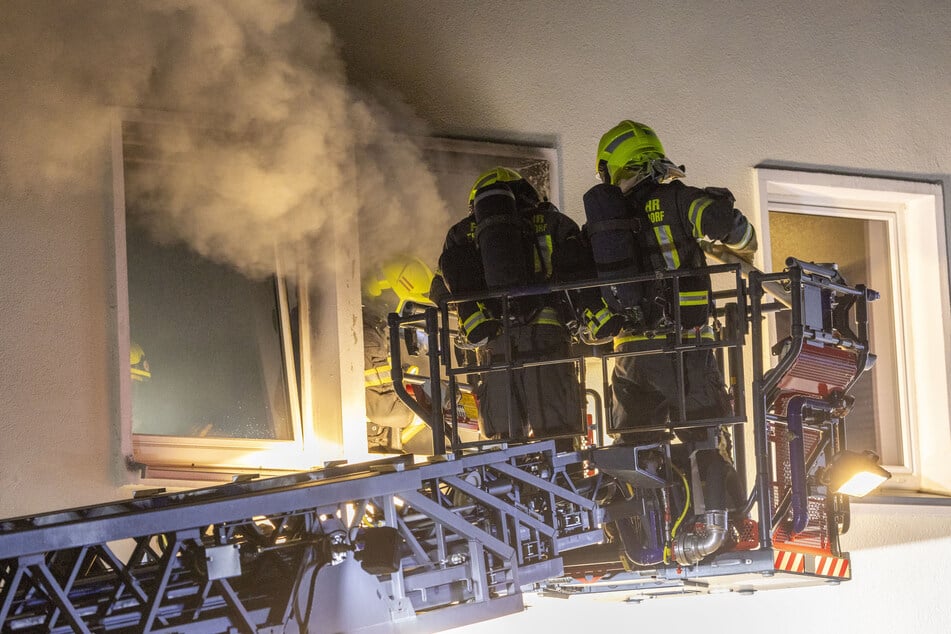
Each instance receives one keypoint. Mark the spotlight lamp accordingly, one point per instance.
(853, 473)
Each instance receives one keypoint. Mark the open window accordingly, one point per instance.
(230, 372)
(214, 355)
(889, 235)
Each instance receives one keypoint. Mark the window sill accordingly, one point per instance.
(905, 498)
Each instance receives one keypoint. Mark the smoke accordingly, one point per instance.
(253, 140)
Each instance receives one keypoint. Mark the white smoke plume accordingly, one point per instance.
(268, 143)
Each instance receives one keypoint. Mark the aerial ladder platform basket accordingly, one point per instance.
(398, 545)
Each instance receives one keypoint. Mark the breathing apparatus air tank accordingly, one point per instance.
(612, 231)
(504, 238)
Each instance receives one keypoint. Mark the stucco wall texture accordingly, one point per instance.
(854, 87)
(858, 87)
(727, 85)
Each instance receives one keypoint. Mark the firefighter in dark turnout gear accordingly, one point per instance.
(512, 239)
(642, 219)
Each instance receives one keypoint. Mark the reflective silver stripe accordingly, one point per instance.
(694, 298)
(703, 333)
(665, 239)
(474, 320)
(595, 320)
(487, 180)
(380, 375)
(695, 214)
(618, 141)
(545, 247)
(629, 338)
(744, 240)
(548, 317)
(500, 191)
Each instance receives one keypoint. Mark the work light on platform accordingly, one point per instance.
(853, 473)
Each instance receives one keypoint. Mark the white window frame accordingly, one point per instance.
(506, 150)
(159, 457)
(329, 415)
(915, 213)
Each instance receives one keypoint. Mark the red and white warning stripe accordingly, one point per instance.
(832, 566)
(788, 561)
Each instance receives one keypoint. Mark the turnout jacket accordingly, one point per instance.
(557, 255)
(667, 221)
(547, 248)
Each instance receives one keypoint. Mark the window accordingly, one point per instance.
(456, 165)
(214, 354)
(232, 373)
(215, 364)
(889, 235)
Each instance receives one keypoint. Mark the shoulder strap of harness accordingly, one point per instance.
(491, 221)
(617, 224)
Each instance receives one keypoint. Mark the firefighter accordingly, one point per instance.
(641, 218)
(400, 284)
(139, 364)
(513, 239)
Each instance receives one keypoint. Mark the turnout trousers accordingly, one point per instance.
(544, 400)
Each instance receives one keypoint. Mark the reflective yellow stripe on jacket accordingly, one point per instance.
(475, 319)
(547, 317)
(695, 214)
(543, 254)
(378, 375)
(381, 374)
(694, 298)
(704, 333)
(665, 240)
(594, 320)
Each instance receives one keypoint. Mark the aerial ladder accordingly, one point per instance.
(402, 545)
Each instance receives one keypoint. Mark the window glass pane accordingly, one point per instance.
(861, 249)
(212, 341)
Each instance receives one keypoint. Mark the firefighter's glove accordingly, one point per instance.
(603, 324)
(479, 328)
(746, 248)
(484, 332)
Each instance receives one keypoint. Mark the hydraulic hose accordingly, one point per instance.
(795, 412)
(683, 514)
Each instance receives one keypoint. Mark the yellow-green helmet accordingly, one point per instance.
(139, 365)
(524, 192)
(408, 277)
(627, 147)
